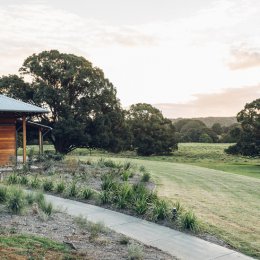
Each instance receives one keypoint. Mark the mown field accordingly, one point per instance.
(223, 190)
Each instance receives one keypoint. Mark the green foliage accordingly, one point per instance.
(106, 197)
(72, 190)
(3, 194)
(124, 240)
(189, 221)
(48, 185)
(95, 229)
(35, 183)
(249, 138)
(16, 201)
(60, 187)
(23, 180)
(83, 103)
(30, 198)
(140, 205)
(152, 133)
(146, 176)
(87, 193)
(108, 163)
(13, 179)
(47, 208)
(108, 182)
(123, 195)
(193, 130)
(125, 175)
(160, 210)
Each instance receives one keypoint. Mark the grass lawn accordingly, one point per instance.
(210, 156)
(229, 204)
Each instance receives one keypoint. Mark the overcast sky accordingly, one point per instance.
(164, 52)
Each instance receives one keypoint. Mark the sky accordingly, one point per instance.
(189, 58)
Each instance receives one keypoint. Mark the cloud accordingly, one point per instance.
(226, 103)
(244, 59)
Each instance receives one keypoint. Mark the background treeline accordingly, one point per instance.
(194, 130)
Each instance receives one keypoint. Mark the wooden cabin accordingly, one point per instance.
(13, 111)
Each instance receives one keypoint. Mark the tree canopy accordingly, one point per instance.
(249, 136)
(79, 97)
(152, 133)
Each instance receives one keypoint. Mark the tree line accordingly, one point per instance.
(193, 130)
(84, 108)
(85, 111)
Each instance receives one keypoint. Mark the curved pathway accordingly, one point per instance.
(178, 244)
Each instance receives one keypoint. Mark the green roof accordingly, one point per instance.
(11, 105)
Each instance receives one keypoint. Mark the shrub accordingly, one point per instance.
(16, 201)
(72, 192)
(135, 252)
(140, 206)
(48, 185)
(125, 176)
(189, 221)
(127, 166)
(146, 176)
(108, 163)
(124, 240)
(3, 194)
(46, 208)
(60, 187)
(160, 210)
(123, 195)
(30, 198)
(13, 179)
(108, 182)
(106, 197)
(87, 193)
(35, 183)
(24, 180)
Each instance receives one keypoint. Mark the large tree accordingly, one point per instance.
(249, 137)
(77, 95)
(152, 133)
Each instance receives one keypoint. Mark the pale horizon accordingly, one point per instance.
(188, 59)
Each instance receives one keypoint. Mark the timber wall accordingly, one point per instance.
(7, 140)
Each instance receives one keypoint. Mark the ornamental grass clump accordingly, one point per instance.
(189, 221)
(16, 201)
(125, 175)
(108, 182)
(87, 193)
(123, 195)
(48, 185)
(160, 210)
(146, 177)
(23, 180)
(13, 179)
(3, 194)
(72, 190)
(35, 183)
(140, 206)
(60, 187)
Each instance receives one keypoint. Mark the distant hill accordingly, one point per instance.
(210, 121)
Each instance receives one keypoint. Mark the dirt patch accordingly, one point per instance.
(65, 229)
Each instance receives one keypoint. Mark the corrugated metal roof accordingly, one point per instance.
(11, 105)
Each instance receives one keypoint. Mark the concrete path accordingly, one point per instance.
(176, 243)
